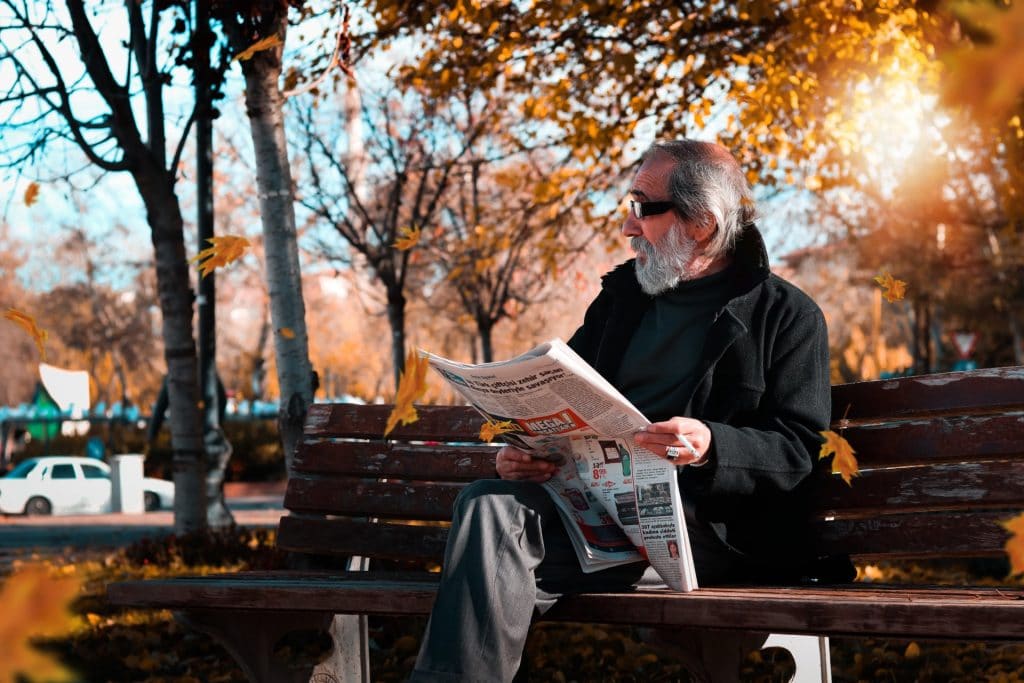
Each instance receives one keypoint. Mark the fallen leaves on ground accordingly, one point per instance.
(28, 323)
(892, 289)
(844, 463)
(223, 250)
(412, 385)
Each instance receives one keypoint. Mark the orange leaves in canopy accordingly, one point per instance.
(843, 464)
(894, 290)
(223, 251)
(490, 430)
(28, 323)
(259, 46)
(1015, 544)
(35, 604)
(411, 386)
(31, 193)
(988, 76)
(408, 238)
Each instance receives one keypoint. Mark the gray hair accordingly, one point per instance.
(706, 181)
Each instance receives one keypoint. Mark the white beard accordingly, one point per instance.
(663, 265)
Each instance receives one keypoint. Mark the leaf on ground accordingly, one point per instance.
(31, 193)
(224, 250)
(259, 46)
(489, 430)
(894, 290)
(1015, 544)
(28, 323)
(408, 238)
(412, 384)
(34, 604)
(843, 464)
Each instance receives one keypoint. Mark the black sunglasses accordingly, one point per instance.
(641, 209)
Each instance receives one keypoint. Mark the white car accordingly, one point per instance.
(68, 485)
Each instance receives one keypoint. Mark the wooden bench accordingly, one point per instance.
(941, 458)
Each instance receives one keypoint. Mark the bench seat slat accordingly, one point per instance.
(893, 611)
(362, 497)
(366, 539)
(949, 439)
(964, 393)
(400, 461)
(915, 535)
(951, 485)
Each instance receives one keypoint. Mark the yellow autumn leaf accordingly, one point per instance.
(224, 250)
(259, 46)
(1015, 544)
(412, 384)
(35, 604)
(287, 333)
(489, 430)
(843, 464)
(913, 651)
(28, 323)
(31, 193)
(895, 289)
(408, 238)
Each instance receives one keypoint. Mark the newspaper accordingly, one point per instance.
(620, 502)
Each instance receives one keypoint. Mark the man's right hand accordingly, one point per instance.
(519, 465)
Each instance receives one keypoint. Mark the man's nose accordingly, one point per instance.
(631, 226)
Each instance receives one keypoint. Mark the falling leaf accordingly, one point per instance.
(287, 333)
(895, 289)
(259, 46)
(913, 651)
(843, 464)
(225, 249)
(411, 386)
(409, 238)
(28, 323)
(1015, 544)
(489, 430)
(35, 604)
(31, 193)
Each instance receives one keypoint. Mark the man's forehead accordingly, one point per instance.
(651, 179)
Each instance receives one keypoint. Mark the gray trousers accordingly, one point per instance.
(509, 556)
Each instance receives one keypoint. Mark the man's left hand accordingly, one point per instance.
(660, 436)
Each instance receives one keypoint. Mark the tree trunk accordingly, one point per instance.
(175, 294)
(396, 320)
(486, 331)
(264, 105)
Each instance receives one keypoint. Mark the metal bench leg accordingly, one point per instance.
(810, 653)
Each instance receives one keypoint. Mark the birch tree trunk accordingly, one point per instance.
(264, 105)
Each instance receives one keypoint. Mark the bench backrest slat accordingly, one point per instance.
(397, 460)
(359, 537)
(355, 497)
(974, 392)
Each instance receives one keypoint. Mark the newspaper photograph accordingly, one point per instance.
(620, 502)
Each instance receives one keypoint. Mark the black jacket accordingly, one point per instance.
(763, 390)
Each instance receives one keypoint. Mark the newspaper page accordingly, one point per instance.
(620, 502)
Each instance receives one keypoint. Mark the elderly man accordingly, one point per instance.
(708, 344)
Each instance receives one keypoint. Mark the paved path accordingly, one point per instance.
(24, 536)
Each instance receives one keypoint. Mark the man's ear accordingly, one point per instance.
(704, 231)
